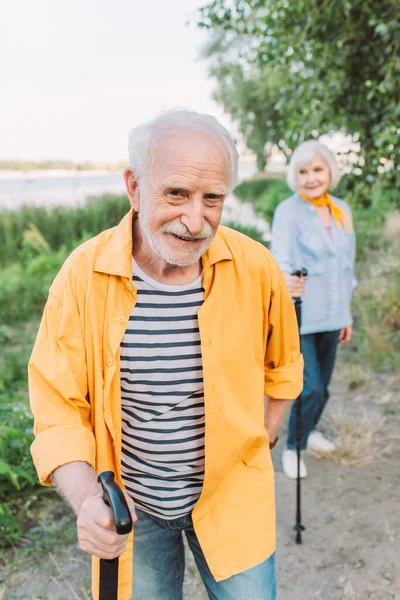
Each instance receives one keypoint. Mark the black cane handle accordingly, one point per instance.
(300, 272)
(114, 497)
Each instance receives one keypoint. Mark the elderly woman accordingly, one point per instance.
(313, 229)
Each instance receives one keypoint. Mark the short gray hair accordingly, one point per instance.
(143, 139)
(303, 155)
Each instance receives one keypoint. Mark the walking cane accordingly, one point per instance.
(115, 499)
(298, 528)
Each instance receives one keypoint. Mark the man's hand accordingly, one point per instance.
(77, 483)
(295, 285)
(274, 411)
(346, 334)
(96, 528)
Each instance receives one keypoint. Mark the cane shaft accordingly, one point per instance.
(298, 528)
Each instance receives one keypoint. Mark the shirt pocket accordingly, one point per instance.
(311, 253)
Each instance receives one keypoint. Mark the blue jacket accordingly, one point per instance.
(299, 239)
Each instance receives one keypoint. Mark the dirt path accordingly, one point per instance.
(351, 545)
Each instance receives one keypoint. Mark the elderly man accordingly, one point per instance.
(167, 353)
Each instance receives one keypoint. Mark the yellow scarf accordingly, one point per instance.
(340, 217)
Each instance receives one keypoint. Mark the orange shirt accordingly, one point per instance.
(249, 346)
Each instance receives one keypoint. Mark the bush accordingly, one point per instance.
(24, 288)
(16, 435)
(17, 472)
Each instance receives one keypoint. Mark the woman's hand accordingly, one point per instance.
(295, 285)
(346, 334)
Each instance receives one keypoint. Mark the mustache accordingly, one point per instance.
(177, 228)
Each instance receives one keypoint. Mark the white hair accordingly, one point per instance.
(303, 155)
(143, 139)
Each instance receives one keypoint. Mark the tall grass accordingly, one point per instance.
(60, 226)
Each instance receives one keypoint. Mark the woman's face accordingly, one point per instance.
(314, 178)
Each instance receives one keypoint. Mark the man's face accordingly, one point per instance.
(314, 178)
(180, 207)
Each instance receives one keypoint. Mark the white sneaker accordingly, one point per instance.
(289, 464)
(317, 442)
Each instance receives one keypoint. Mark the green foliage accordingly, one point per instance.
(58, 227)
(13, 368)
(17, 473)
(10, 529)
(337, 64)
(15, 466)
(6, 334)
(248, 94)
(24, 288)
(369, 223)
(377, 307)
(35, 242)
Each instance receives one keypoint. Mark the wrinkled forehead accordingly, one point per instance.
(191, 150)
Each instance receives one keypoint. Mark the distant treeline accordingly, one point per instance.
(65, 165)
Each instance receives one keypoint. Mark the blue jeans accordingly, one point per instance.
(159, 565)
(319, 353)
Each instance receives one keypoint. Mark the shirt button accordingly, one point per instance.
(121, 319)
(129, 287)
(109, 361)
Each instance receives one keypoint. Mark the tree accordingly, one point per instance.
(337, 62)
(247, 93)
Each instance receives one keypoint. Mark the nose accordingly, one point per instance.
(193, 218)
(310, 177)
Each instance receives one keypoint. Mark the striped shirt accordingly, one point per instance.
(162, 398)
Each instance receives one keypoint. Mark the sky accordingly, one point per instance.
(76, 75)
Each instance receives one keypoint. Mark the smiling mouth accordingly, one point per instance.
(187, 239)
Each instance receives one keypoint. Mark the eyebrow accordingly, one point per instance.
(186, 188)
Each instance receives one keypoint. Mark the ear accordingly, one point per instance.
(132, 189)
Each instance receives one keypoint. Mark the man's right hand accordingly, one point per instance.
(96, 528)
(295, 285)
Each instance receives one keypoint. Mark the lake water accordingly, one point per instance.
(73, 190)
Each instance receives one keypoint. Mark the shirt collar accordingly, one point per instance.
(115, 256)
(305, 204)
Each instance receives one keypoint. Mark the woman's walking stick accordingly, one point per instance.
(298, 527)
(114, 497)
